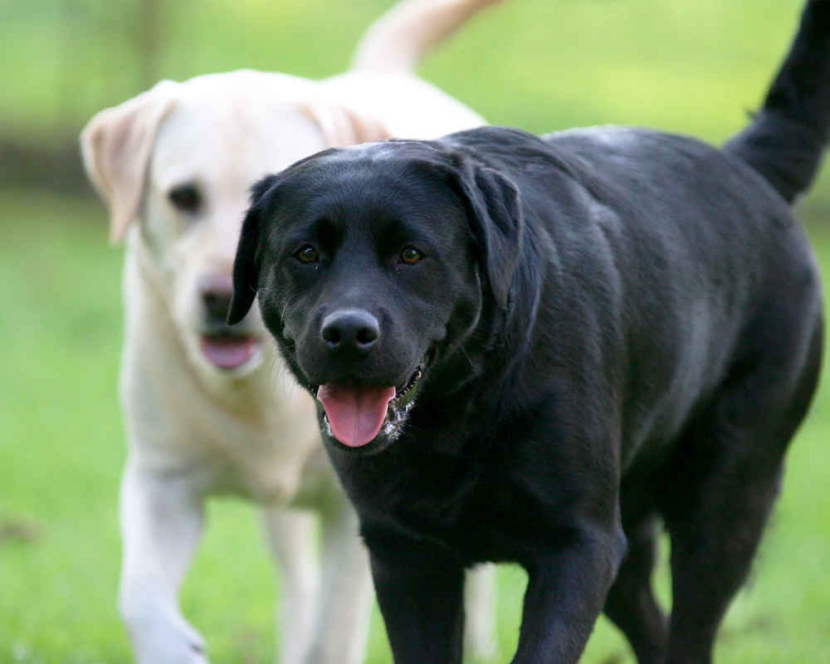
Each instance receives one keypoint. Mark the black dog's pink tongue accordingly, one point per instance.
(356, 413)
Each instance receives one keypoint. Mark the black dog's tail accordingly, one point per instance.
(786, 140)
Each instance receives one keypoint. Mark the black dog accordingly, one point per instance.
(530, 349)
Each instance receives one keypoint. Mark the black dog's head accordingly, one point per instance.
(373, 265)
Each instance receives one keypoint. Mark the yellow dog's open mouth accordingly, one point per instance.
(228, 352)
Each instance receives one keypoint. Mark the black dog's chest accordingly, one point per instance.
(498, 524)
(478, 511)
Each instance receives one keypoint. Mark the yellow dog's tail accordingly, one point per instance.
(397, 41)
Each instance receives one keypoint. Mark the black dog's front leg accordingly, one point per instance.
(420, 592)
(565, 595)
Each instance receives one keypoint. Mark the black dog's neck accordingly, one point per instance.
(481, 372)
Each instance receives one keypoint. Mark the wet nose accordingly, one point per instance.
(216, 291)
(352, 330)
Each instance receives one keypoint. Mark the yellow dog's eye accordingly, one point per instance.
(185, 197)
(307, 254)
(410, 255)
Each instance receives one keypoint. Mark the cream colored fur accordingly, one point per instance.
(193, 430)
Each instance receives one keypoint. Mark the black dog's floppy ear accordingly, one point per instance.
(245, 269)
(496, 216)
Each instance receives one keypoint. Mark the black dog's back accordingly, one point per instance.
(688, 235)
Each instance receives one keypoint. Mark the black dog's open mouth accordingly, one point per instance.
(356, 413)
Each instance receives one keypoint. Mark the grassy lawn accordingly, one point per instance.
(537, 64)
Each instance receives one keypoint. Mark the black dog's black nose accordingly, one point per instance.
(350, 329)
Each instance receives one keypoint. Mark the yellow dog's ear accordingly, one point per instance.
(116, 146)
(343, 126)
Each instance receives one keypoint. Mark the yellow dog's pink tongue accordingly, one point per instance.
(356, 413)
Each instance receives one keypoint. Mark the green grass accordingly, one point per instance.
(537, 64)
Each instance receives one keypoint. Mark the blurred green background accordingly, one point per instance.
(690, 66)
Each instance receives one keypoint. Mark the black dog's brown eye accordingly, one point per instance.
(410, 255)
(185, 197)
(307, 254)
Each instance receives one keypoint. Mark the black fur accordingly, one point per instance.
(617, 326)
